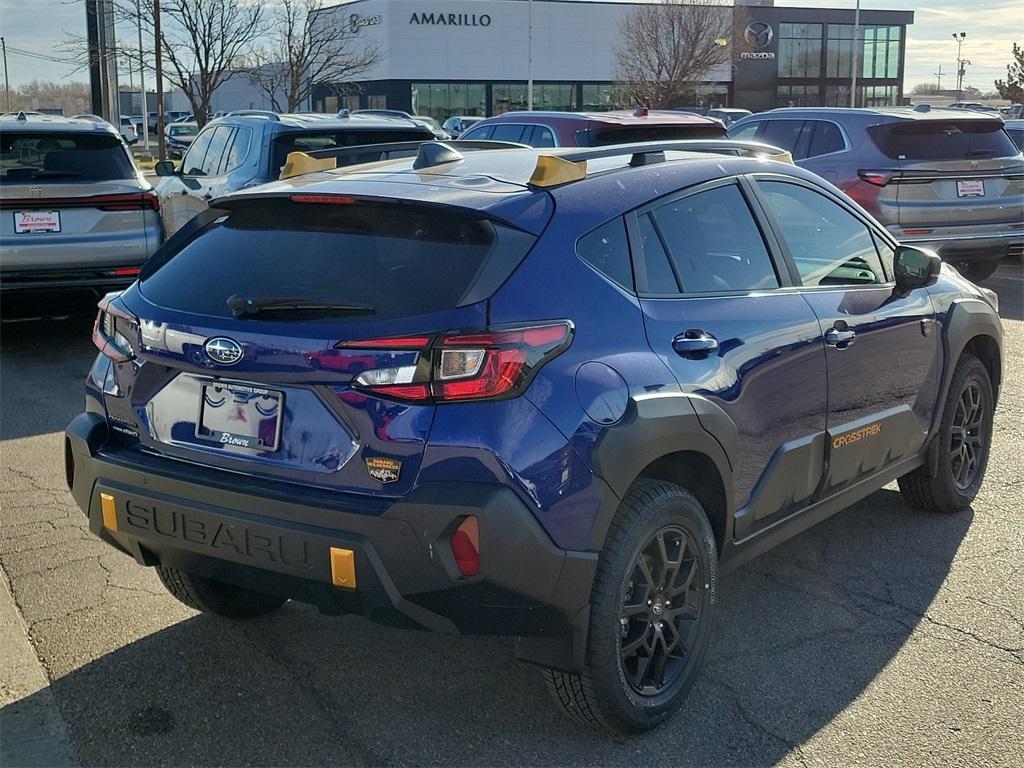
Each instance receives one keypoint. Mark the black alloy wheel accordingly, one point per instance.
(660, 611)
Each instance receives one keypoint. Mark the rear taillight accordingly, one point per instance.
(464, 366)
(115, 332)
(878, 178)
(130, 201)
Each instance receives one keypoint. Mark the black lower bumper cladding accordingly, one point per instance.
(280, 542)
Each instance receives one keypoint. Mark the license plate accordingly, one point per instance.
(33, 222)
(974, 188)
(240, 416)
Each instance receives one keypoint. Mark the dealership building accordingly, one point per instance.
(471, 57)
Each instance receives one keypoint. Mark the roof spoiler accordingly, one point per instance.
(428, 153)
(564, 167)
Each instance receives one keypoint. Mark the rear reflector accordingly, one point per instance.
(109, 509)
(465, 544)
(916, 231)
(343, 568)
(127, 271)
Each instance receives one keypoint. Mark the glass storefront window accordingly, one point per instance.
(798, 96)
(600, 98)
(799, 50)
(442, 100)
(880, 53)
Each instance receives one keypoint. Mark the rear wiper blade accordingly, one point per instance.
(43, 174)
(982, 151)
(242, 306)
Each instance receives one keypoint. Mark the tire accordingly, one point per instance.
(217, 597)
(618, 689)
(963, 452)
(976, 271)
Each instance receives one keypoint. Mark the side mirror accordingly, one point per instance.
(915, 268)
(164, 168)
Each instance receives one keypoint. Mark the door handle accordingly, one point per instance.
(694, 343)
(839, 338)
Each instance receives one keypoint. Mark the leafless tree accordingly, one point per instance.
(205, 43)
(666, 49)
(303, 53)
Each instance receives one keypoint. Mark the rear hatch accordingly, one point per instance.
(70, 201)
(262, 329)
(951, 171)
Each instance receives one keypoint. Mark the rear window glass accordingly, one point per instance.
(943, 140)
(399, 260)
(602, 137)
(310, 141)
(63, 157)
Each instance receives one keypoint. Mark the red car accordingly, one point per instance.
(594, 129)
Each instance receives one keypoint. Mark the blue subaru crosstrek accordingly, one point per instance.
(550, 394)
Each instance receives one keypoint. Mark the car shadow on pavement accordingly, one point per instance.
(801, 632)
(43, 369)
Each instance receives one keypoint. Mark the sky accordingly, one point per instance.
(39, 26)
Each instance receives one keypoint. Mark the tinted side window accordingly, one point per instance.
(542, 137)
(715, 243)
(507, 132)
(826, 138)
(192, 164)
(829, 245)
(238, 150)
(213, 161)
(745, 132)
(783, 134)
(478, 134)
(654, 273)
(606, 249)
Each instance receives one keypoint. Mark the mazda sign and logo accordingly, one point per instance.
(758, 34)
(223, 351)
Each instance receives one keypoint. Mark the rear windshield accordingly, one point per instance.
(309, 141)
(601, 137)
(398, 260)
(62, 157)
(943, 140)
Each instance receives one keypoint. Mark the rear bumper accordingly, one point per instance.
(955, 246)
(98, 280)
(405, 573)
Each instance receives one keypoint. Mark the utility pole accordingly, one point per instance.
(142, 79)
(159, 82)
(959, 37)
(856, 55)
(7, 81)
(529, 64)
(939, 76)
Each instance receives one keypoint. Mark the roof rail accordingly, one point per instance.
(299, 163)
(563, 167)
(264, 113)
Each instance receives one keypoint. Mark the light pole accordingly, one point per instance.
(856, 56)
(529, 59)
(142, 81)
(959, 37)
(7, 82)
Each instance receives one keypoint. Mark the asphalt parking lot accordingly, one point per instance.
(882, 637)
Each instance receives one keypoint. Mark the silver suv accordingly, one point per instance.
(951, 180)
(76, 211)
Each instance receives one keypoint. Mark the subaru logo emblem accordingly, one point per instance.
(758, 34)
(223, 350)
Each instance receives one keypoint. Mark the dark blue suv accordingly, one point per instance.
(550, 394)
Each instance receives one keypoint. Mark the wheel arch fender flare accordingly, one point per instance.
(656, 426)
(967, 319)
